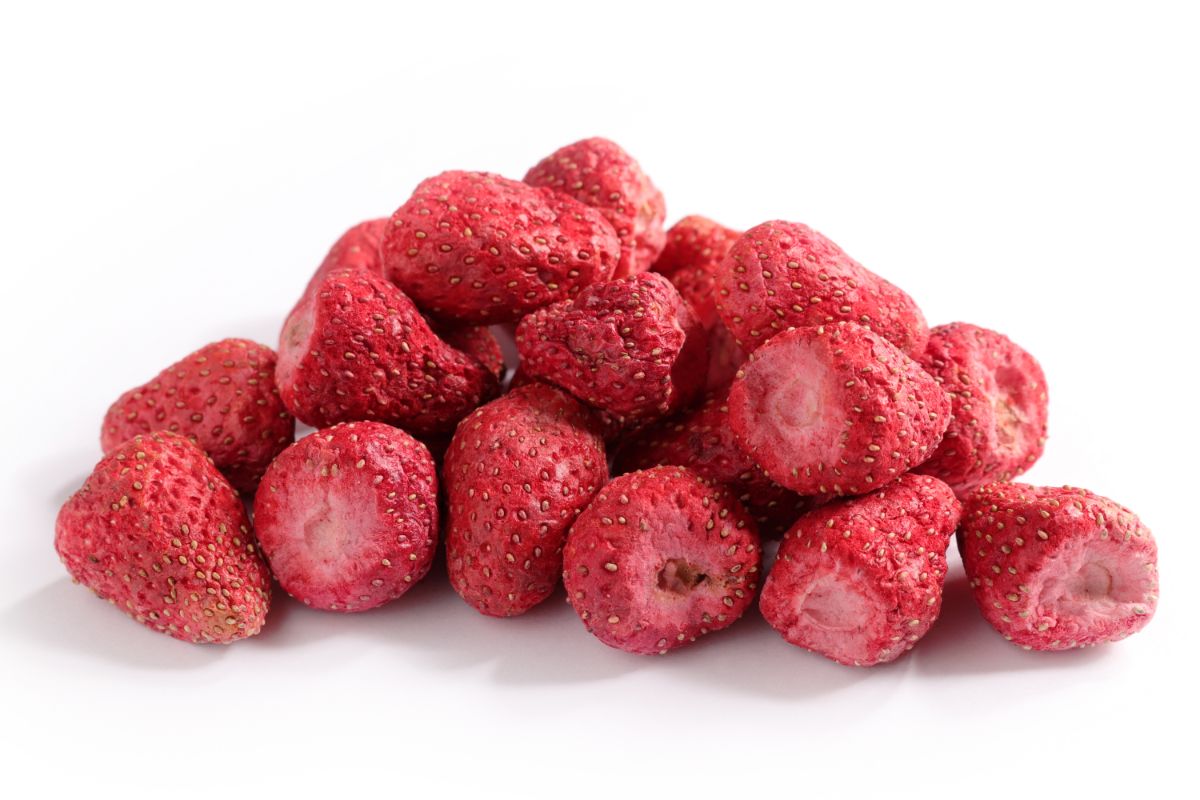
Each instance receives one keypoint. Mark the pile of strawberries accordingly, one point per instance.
(681, 395)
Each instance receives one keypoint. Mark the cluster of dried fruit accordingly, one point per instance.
(745, 385)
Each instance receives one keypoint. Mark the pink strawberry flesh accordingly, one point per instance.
(794, 398)
(347, 516)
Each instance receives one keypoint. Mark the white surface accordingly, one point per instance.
(171, 177)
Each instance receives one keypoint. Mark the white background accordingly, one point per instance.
(170, 174)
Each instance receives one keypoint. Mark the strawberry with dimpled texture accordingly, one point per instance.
(660, 558)
(477, 248)
(223, 397)
(357, 348)
(998, 399)
(158, 532)
(630, 347)
(836, 410)
(781, 275)
(602, 175)
(1054, 568)
(517, 473)
(860, 580)
(348, 516)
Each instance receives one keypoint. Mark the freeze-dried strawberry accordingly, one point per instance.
(348, 516)
(998, 404)
(836, 410)
(660, 558)
(630, 347)
(860, 580)
(782, 275)
(1054, 568)
(473, 247)
(158, 532)
(356, 348)
(599, 173)
(517, 473)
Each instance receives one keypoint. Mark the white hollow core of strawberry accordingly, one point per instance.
(838, 612)
(1090, 587)
(328, 538)
(795, 403)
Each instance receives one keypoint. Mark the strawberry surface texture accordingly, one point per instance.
(600, 174)
(660, 558)
(158, 532)
(474, 247)
(518, 472)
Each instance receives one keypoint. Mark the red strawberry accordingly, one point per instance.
(602, 175)
(358, 248)
(660, 558)
(998, 398)
(695, 247)
(478, 248)
(223, 397)
(1055, 568)
(158, 532)
(782, 275)
(518, 472)
(357, 348)
(860, 580)
(477, 341)
(348, 516)
(702, 440)
(836, 410)
(630, 347)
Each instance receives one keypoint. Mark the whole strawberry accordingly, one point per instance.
(835, 410)
(158, 532)
(602, 175)
(630, 347)
(660, 558)
(357, 349)
(348, 516)
(695, 247)
(782, 275)
(518, 472)
(998, 400)
(702, 440)
(473, 247)
(1055, 568)
(860, 580)
(223, 397)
